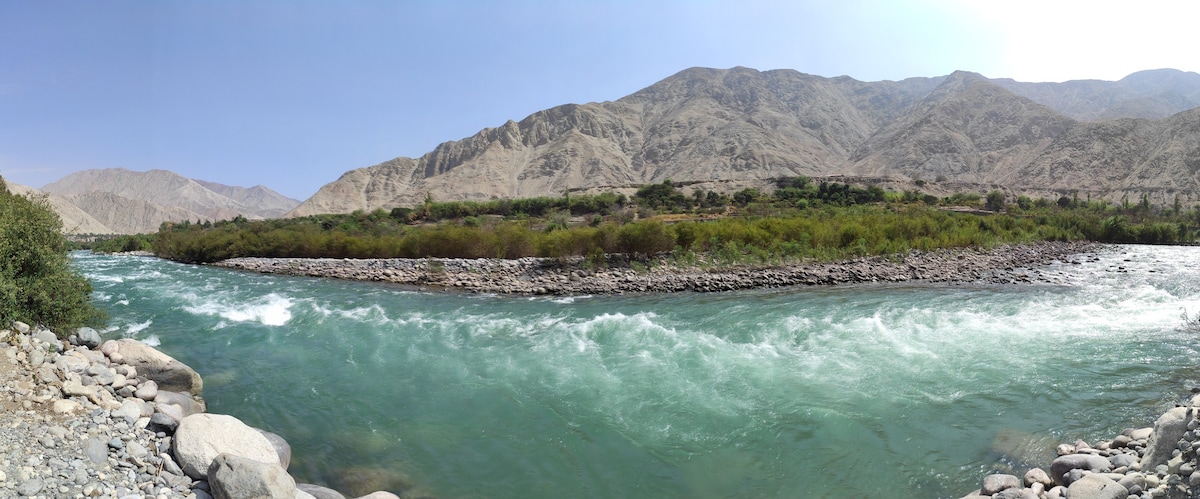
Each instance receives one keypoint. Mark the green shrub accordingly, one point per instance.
(37, 283)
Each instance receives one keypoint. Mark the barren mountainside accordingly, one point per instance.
(740, 124)
(126, 201)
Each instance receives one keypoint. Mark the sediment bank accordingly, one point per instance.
(618, 274)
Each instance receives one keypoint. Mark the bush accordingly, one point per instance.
(37, 283)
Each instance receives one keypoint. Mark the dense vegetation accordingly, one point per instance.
(37, 283)
(799, 220)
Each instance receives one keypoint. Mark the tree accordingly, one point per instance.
(995, 201)
(37, 283)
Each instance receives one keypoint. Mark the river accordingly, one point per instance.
(867, 390)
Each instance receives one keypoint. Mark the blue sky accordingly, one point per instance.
(293, 94)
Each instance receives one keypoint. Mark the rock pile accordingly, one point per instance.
(618, 274)
(120, 419)
(1156, 462)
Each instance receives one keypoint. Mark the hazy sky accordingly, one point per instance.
(291, 94)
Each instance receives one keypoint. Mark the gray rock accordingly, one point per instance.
(995, 483)
(87, 337)
(162, 422)
(319, 492)
(1168, 429)
(281, 447)
(21, 327)
(96, 450)
(1038, 475)
(48, 338)
(1064, 464)
(102, 374)
(147, 390)
(130, 411)
(1096, 487)
(31, 487)
(1119, 460)
(136, 450)
(236, 477)
(170, 374)
(200, 438)
(380, 495)
(187, 404)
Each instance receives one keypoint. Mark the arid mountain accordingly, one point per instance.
(741, 125)
(137, 202)
(1153, 94)
(75, 220)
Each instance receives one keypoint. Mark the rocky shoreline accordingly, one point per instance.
(1153, 462)
(618, 274)
(121, 420)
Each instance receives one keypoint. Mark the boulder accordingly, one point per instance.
(188, 405)
(236, 477)
(1089, 462)
(319, 492)
(1097, 487)
(200, 438)
(147, 390)
(997, 482)
(87, 337)
(170, 374)
(21, 327)
(47, 337)
(1168, 429)
(281, 447)
(1038, 475)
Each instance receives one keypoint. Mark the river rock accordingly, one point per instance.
(96, 450)
(21, 327)
(65, 406)
(319, 492)
(281, 447)
(1096, 486)
(47, 337)
(147, 391)
(1064, 464)
(170, 374)
(187, 404)
(200, 438)
(997, 482)
(87, 337)
(130, 411)
(1038, 475)
(1168, 429)
(236, 477)
(379, 494)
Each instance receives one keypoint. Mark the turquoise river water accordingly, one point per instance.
(906, 391)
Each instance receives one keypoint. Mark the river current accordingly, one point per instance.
(867, 390)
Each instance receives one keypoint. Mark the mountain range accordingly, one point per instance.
(120, 201)
(726, 129)
(734, 127)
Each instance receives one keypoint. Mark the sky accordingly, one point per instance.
(291, 94)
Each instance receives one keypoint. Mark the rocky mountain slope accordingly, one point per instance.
(74, 219)
(129, 202)
(742, 125)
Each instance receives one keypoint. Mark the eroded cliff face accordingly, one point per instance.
(735, 125)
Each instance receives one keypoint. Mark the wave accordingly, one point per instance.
(270, 310)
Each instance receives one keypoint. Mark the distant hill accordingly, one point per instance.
(127, 202)
(726, 127)
(75, 220)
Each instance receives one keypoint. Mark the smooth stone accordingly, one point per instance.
(236, 477)
(130, 411)
(136, 450)
(1142, 433)
(87, 337)
(380, 495)
(21, 327)
(1120, 460)
(96, 450)
(48, 337)
(170, 374)
(147, 391)
(186, 403)
(997, 482)
(1096, 487)
(1064, 464)
(65, 406)
(200, 438)
(319, 492)
(1038, 475)
(31, 487)
(281, 447)
(162, 422)
(1168, 429)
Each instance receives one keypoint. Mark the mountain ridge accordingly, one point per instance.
(740, 124)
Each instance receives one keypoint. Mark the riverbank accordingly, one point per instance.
(1153, 462)
(119, 420)
(618, 275)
